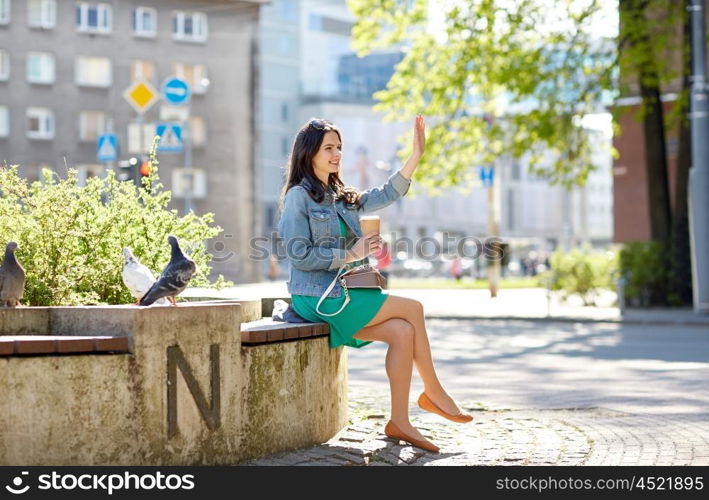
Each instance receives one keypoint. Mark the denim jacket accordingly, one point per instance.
(311, 233)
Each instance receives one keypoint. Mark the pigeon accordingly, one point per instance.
(136, 277)
(12, 278)
(174, 278)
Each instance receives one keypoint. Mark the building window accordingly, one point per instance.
(40, 123)
(93, 17)
(284, 111)
(42, 13)
(91, 125)
(4, 11)
(93, 71)
(325, 24)
(4, 122)
(86, 172)
(40, 68)
(198, 131)
(33, 172)
(142, 70)
(140, 137)
(189, 26)
(284, 44)
(510, 210)
(4, 65)
(288, 10)
(194, 74)
(516, 171)
(284, 146)
(144, 21)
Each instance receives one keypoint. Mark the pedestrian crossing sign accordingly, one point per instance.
(487, 176)
(107, 148)
(170, 137)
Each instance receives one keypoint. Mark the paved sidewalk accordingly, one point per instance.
(543, 393)
(591, 436)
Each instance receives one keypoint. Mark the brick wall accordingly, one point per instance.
(631, 219)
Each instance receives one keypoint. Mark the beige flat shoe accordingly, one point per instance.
(392, 431)
(425, 403)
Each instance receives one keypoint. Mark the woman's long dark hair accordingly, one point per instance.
(300, 165)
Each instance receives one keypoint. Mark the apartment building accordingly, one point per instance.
(66, 65)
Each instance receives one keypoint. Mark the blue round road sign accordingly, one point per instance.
(176, 91)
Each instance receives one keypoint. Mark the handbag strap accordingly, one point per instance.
(327, 292)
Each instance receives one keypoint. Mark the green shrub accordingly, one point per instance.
(647, 276)
(71, 237)
(581, 273)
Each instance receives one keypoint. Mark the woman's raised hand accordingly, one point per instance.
(418, 148)
(419, 137)
(368, 244)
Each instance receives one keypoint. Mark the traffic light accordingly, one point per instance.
(127, 169)
(143, 174)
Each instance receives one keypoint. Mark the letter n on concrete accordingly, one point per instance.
(210, 413)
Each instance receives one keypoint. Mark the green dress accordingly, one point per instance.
(364, 305)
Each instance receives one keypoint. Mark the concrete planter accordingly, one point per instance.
(187, 393)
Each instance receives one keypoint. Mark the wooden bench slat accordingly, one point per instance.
(111, 344)
(290, 333)
(75, 345)
(59, 344)
(267, 330)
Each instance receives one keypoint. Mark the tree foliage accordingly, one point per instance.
(71, 237)
(582, 273)
(497, 77)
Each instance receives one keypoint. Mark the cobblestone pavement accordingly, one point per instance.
(589, 436)
(541, 394)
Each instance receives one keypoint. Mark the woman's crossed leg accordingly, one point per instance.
(411, 311)
(399, 335)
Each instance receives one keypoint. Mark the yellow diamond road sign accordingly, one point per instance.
(141, 95)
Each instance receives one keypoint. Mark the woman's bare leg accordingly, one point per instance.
(412, 311)
(399, 334)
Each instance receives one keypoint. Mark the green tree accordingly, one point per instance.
(654, 49)
(515, 78)
(497, 77)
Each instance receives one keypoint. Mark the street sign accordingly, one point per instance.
(175, 91)
(487, 176)
(141, 95)
(170, 137)
(170, 113)
(107, 148)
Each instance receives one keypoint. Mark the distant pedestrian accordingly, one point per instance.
(457, 268)
(273, 268)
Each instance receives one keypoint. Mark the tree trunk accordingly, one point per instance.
(637, 34)
(656, 163)
(681, 266)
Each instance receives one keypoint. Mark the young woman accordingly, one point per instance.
(320, 229)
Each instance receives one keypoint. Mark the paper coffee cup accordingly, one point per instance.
(369, 223)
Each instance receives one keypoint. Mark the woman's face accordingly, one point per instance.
(327, 160)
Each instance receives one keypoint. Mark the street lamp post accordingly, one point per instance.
(699, 171)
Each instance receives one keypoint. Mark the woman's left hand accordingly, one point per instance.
(419, 137)
(417, 152)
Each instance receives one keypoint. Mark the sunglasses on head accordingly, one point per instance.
(319, 124)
